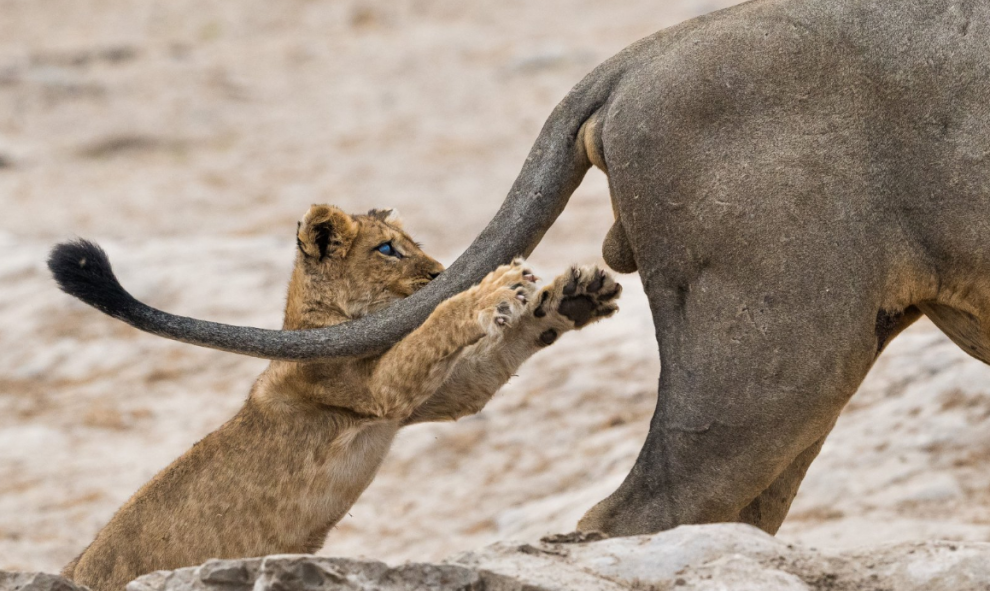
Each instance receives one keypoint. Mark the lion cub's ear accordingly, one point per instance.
(325, 231)
(389, 216)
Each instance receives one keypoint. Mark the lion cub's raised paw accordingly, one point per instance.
(503, 296)
(582, 295)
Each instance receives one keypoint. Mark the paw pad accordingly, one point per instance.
(588, 295)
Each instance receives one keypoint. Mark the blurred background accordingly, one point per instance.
(188, 137)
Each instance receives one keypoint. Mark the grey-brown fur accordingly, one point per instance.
(781, 171)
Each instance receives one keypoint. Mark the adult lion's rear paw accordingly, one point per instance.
(582, 295)
(503, 296)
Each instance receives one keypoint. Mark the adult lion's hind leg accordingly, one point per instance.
(745, 400)
(768, 510)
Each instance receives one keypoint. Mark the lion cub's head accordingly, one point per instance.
(348, 266)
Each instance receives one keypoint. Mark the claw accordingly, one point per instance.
(598, 282)
(611, 294)
(571, 286)
(606, 311)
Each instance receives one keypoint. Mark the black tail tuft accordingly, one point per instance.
(82, 270)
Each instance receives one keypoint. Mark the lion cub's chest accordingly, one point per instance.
(339, 474)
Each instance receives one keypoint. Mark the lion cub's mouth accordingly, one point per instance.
(412, 287)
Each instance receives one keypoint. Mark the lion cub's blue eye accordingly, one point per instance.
(387, 249)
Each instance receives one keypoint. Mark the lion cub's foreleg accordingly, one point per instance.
(412, 371)
(575, 299)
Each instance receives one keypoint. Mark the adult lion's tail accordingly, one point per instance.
(552, 171)
(82, 269)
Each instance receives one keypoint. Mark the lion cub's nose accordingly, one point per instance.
(434, 275)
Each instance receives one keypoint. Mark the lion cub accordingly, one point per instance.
(309, 439)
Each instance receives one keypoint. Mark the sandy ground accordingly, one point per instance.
(188, 137)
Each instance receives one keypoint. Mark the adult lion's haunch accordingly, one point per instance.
(796, 181)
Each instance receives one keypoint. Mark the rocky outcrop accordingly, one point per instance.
(36, 582)
(699, 558)
(735, 557)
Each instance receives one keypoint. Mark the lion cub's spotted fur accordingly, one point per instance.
(309, 439)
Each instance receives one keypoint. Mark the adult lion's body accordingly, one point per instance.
(796, 181)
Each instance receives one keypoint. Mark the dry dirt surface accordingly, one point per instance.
(188, 137)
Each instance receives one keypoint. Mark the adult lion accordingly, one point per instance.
(796, 181)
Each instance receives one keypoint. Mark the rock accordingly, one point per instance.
(535, 567)
(310, 573)
(230, 572)
(739, 573)
(701, 557)
(928, 566)
(36, 582)
(662, 557)
(689, 558)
